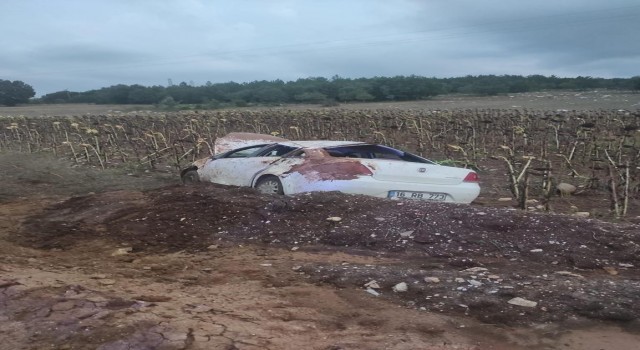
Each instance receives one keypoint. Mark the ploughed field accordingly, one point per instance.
(518, 152)
(126, 257)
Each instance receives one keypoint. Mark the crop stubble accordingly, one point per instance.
(519, 153)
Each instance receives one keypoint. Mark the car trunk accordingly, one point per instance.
(401, 171)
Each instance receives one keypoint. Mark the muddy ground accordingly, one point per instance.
(124, 260)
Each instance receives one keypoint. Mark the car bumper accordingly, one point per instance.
(464, 192)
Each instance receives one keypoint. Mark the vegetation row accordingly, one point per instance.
(316, 90)
(597, 150)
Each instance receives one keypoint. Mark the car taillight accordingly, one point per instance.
(471, 177)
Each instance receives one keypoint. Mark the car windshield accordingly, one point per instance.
(240, 152)
(375, 152)
(262, 150)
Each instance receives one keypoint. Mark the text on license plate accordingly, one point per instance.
(428, 196)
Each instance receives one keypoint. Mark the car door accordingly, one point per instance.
(231, 167)
(237, 168)
(239, 171)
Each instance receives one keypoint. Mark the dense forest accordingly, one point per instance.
(325, 91)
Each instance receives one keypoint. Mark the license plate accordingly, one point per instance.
(425, 196)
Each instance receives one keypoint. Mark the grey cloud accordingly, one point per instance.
(81, 45)
(85, 54)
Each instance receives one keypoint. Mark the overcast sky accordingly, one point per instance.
(80, 45)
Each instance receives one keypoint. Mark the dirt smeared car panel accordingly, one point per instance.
(317, 165)
(233, 172)
(323, 170)
(329, 171)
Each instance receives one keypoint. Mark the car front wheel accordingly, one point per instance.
(190, 177)
(269, 185)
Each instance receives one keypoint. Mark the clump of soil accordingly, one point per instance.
(458, 259)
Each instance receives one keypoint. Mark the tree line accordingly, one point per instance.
(319, 90)
(15, 92)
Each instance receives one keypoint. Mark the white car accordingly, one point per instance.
(279, 166)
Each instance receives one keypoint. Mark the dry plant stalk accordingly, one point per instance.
(619, 209)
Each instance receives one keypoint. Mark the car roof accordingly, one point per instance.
(320, 143)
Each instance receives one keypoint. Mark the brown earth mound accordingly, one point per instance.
(458, 259)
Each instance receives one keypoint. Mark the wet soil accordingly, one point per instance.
(164, 266)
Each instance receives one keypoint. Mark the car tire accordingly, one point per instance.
(190, 177)
(269, 185)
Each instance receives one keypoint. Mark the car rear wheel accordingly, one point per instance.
(190, 177)
(269, 185)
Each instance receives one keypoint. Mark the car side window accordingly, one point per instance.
(382, 153)
(276, 151)
(243, 152)
(348, 152)
(299, 153)
(375, 152)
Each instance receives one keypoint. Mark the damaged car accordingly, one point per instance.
(279, 166)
